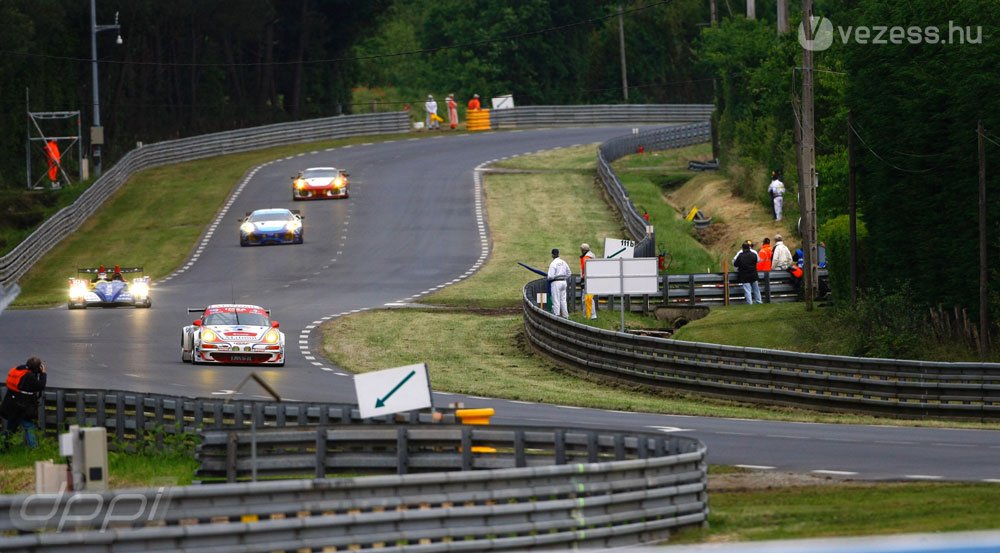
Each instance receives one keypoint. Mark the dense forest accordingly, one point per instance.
(188, 67)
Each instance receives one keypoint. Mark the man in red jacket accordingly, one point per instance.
(25, 384)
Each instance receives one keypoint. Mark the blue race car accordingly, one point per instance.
(108, 288)
(271, 226)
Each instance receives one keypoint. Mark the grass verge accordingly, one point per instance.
(145, 224)
(167, 467)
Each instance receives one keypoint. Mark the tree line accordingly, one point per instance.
(192, 67)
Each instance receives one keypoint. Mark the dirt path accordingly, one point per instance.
(733, 219)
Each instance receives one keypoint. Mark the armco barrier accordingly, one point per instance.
(131, 415)
(558, 488)
(21, 258)
(657, 139)
(914, 389)
(611, 114)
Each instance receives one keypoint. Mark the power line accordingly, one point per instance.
(355, 58)
(882, 159)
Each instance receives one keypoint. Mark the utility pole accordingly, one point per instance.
(782, 17)
(751, 9)
(852, 206)
(713, 9)
(97, 131)
(984, 318)
(808, 163)
(621, 49)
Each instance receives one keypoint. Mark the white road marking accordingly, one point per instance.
(755, 467)
(922, 477)
(833, 472)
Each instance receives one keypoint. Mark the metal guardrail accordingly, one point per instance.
(657, 139)
(555, 488)
(534, 116)
(132, 415)
(705, 289)
(895, 387)
(16, 263)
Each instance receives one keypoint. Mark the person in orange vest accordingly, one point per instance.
(452, 112)
(590, 309)
(764, 256)
(53, 157)
(25, 384)
(474, 103)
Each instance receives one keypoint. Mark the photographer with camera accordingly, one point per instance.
(25, 384)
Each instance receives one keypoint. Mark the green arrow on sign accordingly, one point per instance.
(617, 252)
(381, 401)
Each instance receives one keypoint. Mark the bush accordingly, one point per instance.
(883, 323)
(836, 233)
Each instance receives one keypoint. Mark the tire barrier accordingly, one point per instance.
(901, 388)
(478, 120)
(547, 488)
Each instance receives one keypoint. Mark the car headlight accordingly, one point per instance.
(77, 289)
(140, 289)
(300, 184)
(338, 182)
(271, 337)
(208, 335)
(247, 228)
(293, 226)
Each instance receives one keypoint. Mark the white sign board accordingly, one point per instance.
(393, 390)
(606, 277)
(616, 247)
(503, 102)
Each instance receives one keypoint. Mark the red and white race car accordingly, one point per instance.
(321, 182)
(233, 334)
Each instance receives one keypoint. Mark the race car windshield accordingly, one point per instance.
(271, 216)
(321, 173)
(233, 318)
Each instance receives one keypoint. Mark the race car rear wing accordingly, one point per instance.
(107, 269)
(202, 310)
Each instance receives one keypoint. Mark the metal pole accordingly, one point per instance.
(984, 317)
(94, 90)
(751, 10)
(621, 287)
(27, 140)
(621, 49)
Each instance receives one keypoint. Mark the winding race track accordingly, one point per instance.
(412, 224)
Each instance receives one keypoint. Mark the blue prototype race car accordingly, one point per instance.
(271, 226)
(104, 288)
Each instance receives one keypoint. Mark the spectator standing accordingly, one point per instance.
(557, 276)
(777, 191)
(474, 103)
(590, 310)
(431, 107)
(764, 256)
(25, 384)
(452, 112)
(781, 258)
(746, 273)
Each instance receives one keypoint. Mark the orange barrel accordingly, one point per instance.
(478, 120)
